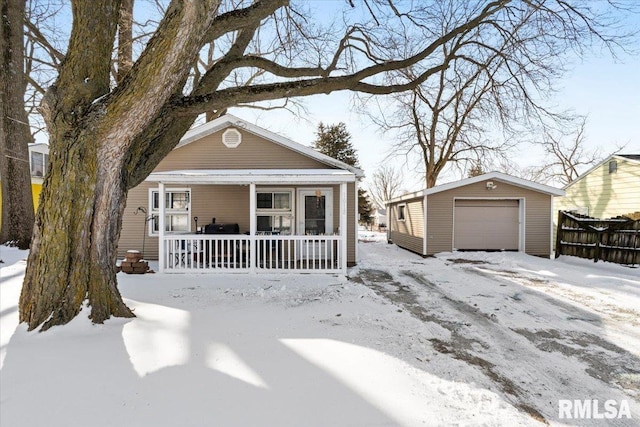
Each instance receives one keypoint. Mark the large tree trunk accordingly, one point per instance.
(95, 142)
(73, 256)
(15, 135)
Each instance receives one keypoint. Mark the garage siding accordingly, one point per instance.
(409, 233)
(537, 215)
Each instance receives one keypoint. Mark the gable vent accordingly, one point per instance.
(231, 138)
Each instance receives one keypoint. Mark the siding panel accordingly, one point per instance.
(537, 215)
(605, 195)
(253, 153)
(409, 233)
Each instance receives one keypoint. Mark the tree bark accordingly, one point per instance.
(73, 256)
(15, 135)
(93, 139)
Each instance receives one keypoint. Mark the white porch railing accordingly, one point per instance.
(201, 253)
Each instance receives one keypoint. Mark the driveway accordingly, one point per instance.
(540, 331)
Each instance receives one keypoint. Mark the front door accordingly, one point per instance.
(315, 218)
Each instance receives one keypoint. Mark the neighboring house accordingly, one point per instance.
(241, 198)
(379, 216)
(607, 190)
(493, 211)
(38, 163)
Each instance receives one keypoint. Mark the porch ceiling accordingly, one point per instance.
(255, 176)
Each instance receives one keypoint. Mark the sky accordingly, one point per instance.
(599, 86)
(604, 89)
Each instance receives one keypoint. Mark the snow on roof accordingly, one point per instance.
(229, 120)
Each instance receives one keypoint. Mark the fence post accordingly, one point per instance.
(558, 236)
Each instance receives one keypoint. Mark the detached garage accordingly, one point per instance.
(493, 211)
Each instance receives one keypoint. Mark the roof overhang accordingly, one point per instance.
(497, 176)
(254, 176)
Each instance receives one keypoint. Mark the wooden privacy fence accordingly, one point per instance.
(614, 240)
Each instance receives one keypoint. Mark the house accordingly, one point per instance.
(607, 190)
(493, 211)
(239, 198)
(38, 163)
(379, 216)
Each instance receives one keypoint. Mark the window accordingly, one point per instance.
(613, 166)
(274, 211)
(39, 162)
(177, 204)
(401, 212)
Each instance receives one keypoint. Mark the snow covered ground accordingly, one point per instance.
(459, 339)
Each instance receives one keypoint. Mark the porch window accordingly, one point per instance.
(177, 206)
(274, 211)
(39, 163)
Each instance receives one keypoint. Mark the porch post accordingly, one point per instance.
(161, 226)
(252, 227)
(343, 226)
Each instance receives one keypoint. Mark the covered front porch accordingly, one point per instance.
(298, 220)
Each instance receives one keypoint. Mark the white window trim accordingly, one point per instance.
(291, 211)
(401, 205)
(45, 163)
(153, 212)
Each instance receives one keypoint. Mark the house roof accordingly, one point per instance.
(630, 156)
(633, 158)
(496, 176)
(258, 176)
(229, 120)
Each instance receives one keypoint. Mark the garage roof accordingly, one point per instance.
(494, 176)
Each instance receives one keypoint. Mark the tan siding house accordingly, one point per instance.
(494, 211)
(240, 198)
(609, 189)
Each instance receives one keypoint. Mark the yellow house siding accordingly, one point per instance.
(605, 194)
(36, 189)
(537, 215)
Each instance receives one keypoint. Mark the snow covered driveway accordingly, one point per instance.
(538, 330)
(466, 339)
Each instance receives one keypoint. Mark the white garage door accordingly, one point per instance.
(486, 225)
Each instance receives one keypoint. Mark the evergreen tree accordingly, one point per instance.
(364, 208)
(335, 141)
